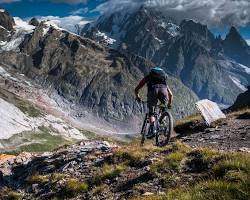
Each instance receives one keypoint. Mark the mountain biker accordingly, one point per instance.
(158, 89)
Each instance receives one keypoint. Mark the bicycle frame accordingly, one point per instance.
(158, 113)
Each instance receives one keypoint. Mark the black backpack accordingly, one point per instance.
(157, 76)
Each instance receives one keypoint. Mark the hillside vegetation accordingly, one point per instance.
(98, 170)
(200, 163)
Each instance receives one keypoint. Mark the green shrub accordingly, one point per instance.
(232, 161)
(12, 195)
(74, 187)
(40, 179)
(29, 109)
(173, 160)
(210, 190)
(108, 172)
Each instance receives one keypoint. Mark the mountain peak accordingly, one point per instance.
(236, 47)
(233, 30)
(191, 26)
(234, 38)
(234, 34)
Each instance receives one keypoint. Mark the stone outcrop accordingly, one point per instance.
(34, 22)
(6, 20)
(242, 101)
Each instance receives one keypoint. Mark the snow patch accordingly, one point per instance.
(13, 44)
(67, 23)
(21, 29)
(2, 43)
(248, 42)
(118, 28)
(2, 10)
(247, 69)
(50, 24)
(171, 28)
(23, 26)
(105, 38)
(237, 82)
(160, 41)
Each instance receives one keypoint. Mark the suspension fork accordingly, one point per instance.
(144, 124)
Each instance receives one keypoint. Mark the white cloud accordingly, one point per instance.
(211, 12)
(69, 1)
(80, 11)
(55, 1)
(68, 22)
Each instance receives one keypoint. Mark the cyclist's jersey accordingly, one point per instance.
(154, 82)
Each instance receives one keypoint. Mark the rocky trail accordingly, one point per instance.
(195, 164)
(231, 134)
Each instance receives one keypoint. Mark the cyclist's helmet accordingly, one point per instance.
(157, 70)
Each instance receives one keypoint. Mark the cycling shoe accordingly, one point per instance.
(151, 132)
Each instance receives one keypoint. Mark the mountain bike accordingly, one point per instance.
(163, 126)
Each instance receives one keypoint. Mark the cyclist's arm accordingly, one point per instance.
(140, 85)
(170, 96)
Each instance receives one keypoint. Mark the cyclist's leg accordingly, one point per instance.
(152, 102)
(163, 97)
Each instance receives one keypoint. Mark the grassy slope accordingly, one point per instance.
(184, 174)
(217, 175)
(42, 139)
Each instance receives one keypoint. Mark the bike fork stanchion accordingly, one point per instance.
(143, 130)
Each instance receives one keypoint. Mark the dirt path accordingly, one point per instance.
(230, 134)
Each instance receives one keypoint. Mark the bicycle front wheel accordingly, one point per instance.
(165, 129)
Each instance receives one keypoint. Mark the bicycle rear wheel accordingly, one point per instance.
(165, 129)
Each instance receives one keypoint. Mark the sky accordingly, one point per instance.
(219, 15)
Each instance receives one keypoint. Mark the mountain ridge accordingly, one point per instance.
(88, 74)
(184, 50)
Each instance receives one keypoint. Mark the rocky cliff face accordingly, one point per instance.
(88, 74)
(187, 50)
(236, 47)
(242, 101)
(6, 21)
(6, 25)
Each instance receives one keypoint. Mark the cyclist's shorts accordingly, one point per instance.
(155, 94)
